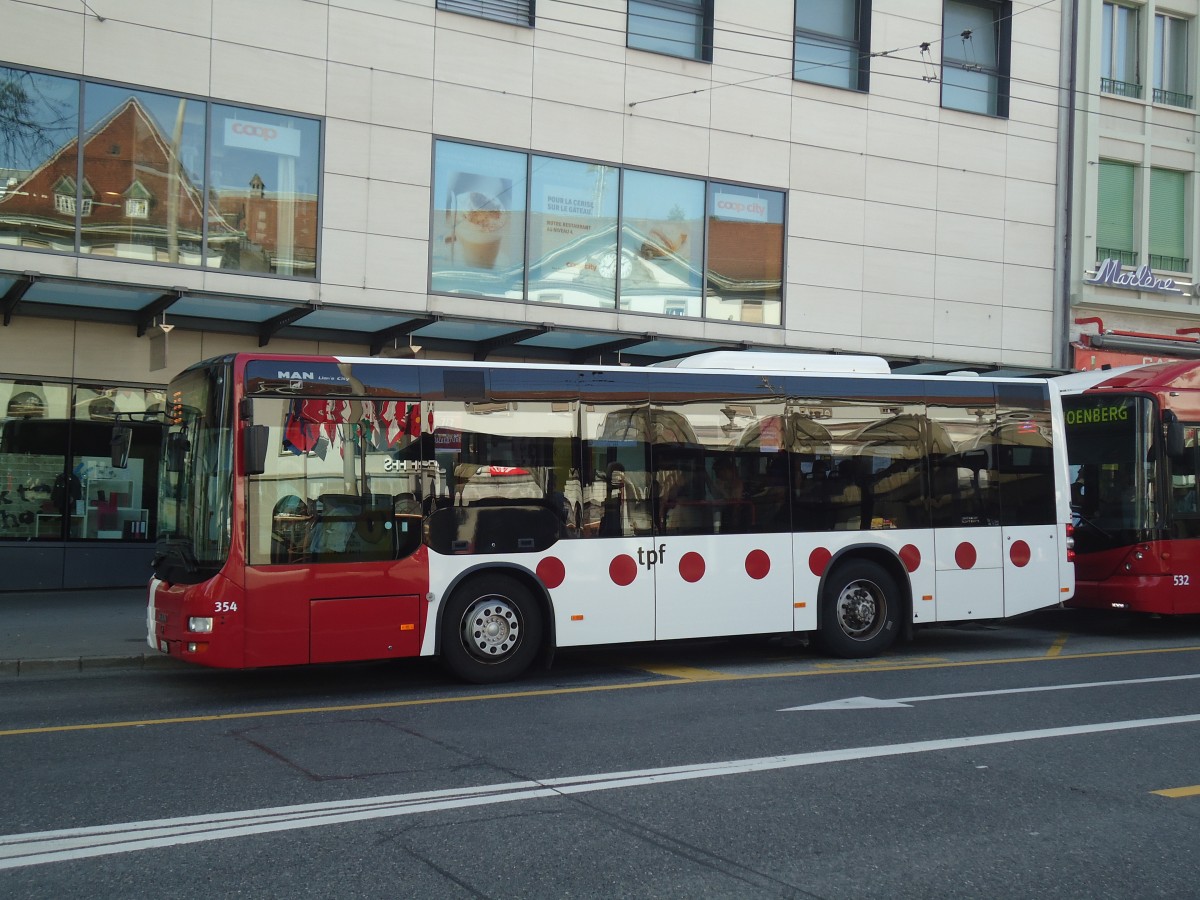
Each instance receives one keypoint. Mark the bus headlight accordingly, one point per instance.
(200, 624)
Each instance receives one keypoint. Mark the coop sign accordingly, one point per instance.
(1111, 273)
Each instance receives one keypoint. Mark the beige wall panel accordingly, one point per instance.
(343, 257)
(900, 181)
(898, 317)
(827, 311)
(827, 217)
(742, 157)
(655, 144)
(966, 325)
(280, 80)
(577, 131)
(905, 228)
(971, 237)
(344, 202)
(569, 78)
(887, 271)
(1028, 287)
(818, 170)
(386, 39)
(33, 346)
(297, 29)
(969, 280)
(823, 264)
(481, 115)
(397, 263)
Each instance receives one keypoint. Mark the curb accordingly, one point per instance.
(14, 668)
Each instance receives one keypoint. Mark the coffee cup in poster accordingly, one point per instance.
(479, 217)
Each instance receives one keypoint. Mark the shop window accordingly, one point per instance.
(40, 493)
(1120, 72)
(515, 12)
(1169, 201)
(672, 27)
(975, 56)
(662, 236)
(257, 213)
(744, 277)
(1115, 221)
(833, 43)
(41, 115)
(478, 221)
(573, 253)
(1171, 61)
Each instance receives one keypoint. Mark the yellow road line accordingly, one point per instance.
(859, 668)
(686, 673)
(1057, 647)
(1192, 791)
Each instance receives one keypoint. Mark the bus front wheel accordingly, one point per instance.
(860, 606)
(491, 630)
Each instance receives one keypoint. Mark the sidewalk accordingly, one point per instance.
(74, 631)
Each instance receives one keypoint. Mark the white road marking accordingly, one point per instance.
(873, 703)
(40, 847)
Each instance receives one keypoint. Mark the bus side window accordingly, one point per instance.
(1185, 507)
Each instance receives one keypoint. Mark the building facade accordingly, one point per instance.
(611, 181)
(1134, 252)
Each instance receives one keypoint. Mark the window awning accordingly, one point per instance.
(382, 331)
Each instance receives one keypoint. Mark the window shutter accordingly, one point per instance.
(1114, 207)
(515, 12)
(1167, 213)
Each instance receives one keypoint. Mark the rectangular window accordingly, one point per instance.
(515, 12)
(1168, 220)
(975, 56)
(662, 235)
(674, 27)
(1114, 213)
(143, 143)
(1119, 71)
(573, 256)
(54, 494)
(262, 192)
(1171, 61)
(137, 209)
(744, 276)
(833, 42)
(478, 221)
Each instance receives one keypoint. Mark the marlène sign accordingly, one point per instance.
(1110, 273)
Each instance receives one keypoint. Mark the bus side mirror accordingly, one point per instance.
(119, 443)
(1175, 439)
(177, 448)
(254, 448)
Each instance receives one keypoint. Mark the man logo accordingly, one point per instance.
(303, 376)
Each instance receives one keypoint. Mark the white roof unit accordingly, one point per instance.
(747, 360)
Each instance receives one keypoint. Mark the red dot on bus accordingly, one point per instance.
(622, 570)
(691, 567)
(911, 557)
(551, 572)
(818, 560)
(758, 564)
(1020, 554)
(964, 555)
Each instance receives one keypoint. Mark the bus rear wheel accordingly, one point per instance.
(491, 630)
(860, 605)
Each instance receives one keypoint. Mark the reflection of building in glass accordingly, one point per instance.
(127, 205)
(138, 202)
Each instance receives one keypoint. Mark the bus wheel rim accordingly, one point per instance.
(491, 629)
(861, 610)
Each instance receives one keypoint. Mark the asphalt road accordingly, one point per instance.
(981, 760)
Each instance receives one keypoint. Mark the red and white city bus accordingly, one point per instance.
(1132, 444)
(320, 509)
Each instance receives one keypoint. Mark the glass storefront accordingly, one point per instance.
(604, 237)
(141, 191)
(57, 480)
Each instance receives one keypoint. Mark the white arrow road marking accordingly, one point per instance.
(873, 703)
(18, 850)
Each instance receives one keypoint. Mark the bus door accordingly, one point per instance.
(333, 543)
(964, 502)
(1028, 492)
(613, 596)
(723, 556)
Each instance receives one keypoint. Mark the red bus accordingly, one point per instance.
(1132, 447)
(320, 509)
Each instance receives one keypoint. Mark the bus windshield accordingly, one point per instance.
(194, 486)
(1112, 468)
